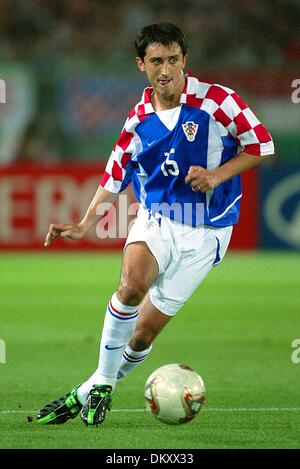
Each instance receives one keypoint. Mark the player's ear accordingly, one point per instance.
(140, 64)
(184, 61)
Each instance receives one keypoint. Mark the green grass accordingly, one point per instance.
(236, 331)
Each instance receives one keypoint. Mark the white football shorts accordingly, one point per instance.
(184, 256)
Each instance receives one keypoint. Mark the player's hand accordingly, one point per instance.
(57, 230)
(202, 180)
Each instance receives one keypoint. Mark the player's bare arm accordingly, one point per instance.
(203, 180)
(78, 230)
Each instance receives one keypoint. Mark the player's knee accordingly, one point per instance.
(132, 291)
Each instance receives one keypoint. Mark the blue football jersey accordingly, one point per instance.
(211, 126)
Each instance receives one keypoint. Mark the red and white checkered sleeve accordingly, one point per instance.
(114, 176)
(234, 114)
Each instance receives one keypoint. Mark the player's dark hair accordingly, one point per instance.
(161, 33)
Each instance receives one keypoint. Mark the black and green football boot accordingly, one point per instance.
(98, 402)
(58, 412)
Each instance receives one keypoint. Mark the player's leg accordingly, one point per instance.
(195, 254)
(147, 254)
(138, 273)
(139, 270)
(149, 324)
(200, 250)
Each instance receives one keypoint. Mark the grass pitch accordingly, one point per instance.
(236, 331)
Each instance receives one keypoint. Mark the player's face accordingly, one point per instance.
(164, 69)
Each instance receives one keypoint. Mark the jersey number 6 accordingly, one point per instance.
(169, 167)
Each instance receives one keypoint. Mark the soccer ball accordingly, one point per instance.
(174, 393)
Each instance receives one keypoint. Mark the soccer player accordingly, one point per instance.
(183, 148)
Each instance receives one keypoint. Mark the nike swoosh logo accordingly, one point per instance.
(113, 348)
(151, 143)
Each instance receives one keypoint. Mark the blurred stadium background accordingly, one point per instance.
(71, 79)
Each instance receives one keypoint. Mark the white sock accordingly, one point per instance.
(131, 360)
(119, 325)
